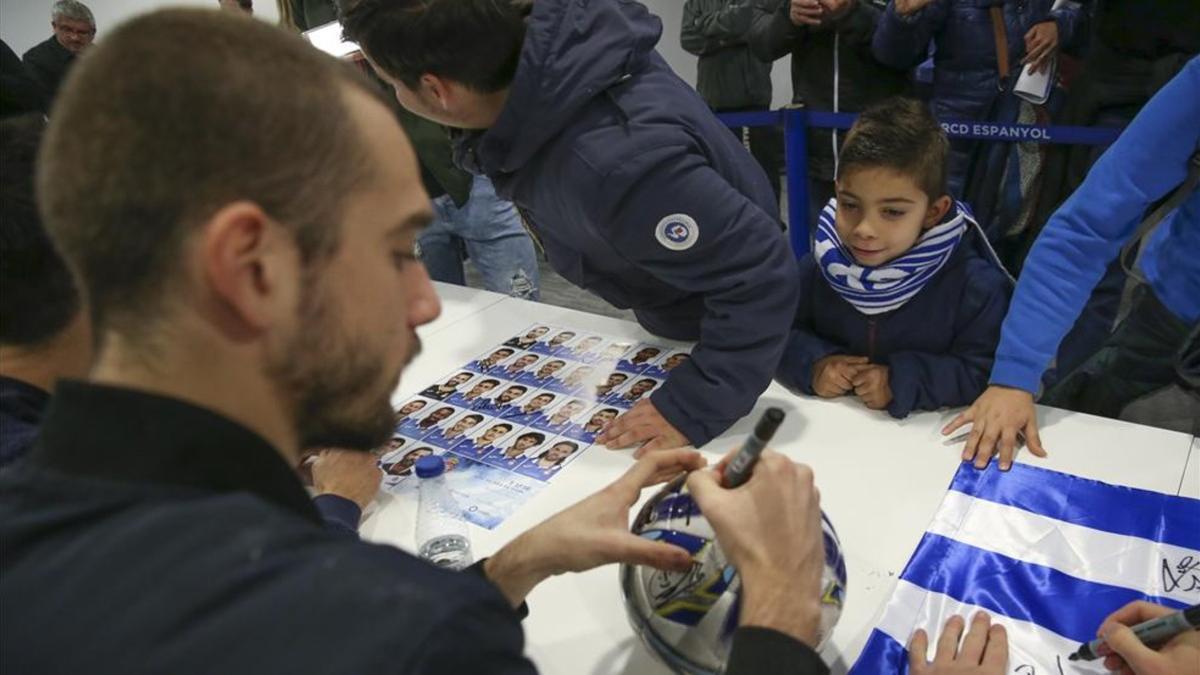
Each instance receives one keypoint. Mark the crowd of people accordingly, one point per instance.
(214, 268)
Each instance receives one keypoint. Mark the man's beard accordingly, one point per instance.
(337, 395)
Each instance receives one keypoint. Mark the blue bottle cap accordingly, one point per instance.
(431, 466)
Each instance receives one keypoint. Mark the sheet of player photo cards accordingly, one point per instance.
(521, 413)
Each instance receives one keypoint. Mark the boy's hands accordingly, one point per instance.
(833, 376)
(871, 385)
(996, 417)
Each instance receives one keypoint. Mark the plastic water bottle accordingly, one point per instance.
(441, 535)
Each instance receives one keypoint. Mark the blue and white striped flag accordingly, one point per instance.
(1048, 555)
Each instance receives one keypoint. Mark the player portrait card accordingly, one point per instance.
(558, 419)
(639, 359)
(613, 352)
(516, 448)
(518, 365)
(611, 384)
(578, 379)
(553, 457)
(398, 465)
(411, 409)
(544, 374)
(529, 338)
(586, 348)
(556, 342)
(502, 399)
(639, 387)
(454, 429)
(493, 361)
(429, 421)
(444, 389)
(669, 361)
(486, 438)
(591, 423)
(474, 391)
(532, 406)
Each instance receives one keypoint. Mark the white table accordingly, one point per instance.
(881, 480)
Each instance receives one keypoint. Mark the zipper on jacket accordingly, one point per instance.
(527, 223)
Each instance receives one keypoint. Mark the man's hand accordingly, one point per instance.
(642, 424)
(983, 652)
(871, 385)
(836, 9)
(1041, 45)
(907, 7)
(833, 376)
(995, 418)
(352, 474)
(593, 532)
(1126, 654)
(805, 12)
(770, 528)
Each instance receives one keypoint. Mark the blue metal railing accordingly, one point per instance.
(796, 121)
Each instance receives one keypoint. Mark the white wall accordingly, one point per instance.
(671, 13)
(24, 23)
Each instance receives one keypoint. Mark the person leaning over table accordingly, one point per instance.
(190, 237)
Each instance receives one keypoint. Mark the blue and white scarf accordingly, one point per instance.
(875, 290)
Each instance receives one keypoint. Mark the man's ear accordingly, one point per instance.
(437, 89)
(937, 210)
(250, 270)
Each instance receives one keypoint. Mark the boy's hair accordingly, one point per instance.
(901, 134)
(474, 42)
(38, 296)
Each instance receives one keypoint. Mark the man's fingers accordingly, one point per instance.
(661, 442)
(1133, 614)
(918, 646)
(1032, 438)
(856, 360)
(947, 646)
(1139, 657)
(1008, 444)
(977, 637)
(636, 550)
(651, 469)
(995, 654)
(964, 418)
(986, 446)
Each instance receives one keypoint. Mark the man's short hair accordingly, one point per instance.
(175, 115)
(473, 42)
(74, 10)
(900, 134)
(38, 298)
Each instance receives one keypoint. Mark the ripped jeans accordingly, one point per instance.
(488, 230)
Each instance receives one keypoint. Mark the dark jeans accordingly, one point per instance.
(1142, 356)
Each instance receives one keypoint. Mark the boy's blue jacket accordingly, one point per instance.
(938, 346)
(605, 151)
(1146, 163)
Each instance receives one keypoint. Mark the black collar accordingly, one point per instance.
(130, 436)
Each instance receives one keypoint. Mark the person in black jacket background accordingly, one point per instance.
(48, 61)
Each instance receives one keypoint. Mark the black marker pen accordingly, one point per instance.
(743, 462)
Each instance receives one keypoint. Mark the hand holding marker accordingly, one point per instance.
(1152, 633)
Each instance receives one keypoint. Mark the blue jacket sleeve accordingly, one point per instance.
(719, 27)
(924, 381)
(740, 263)
(902, 42)
(804, 346)
(1086, 233)
(340, 514)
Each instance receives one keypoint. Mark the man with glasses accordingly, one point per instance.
(74, 29)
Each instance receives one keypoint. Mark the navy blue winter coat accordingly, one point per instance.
(638, 193)
(938, 346)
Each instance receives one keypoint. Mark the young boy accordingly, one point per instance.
(902, 298)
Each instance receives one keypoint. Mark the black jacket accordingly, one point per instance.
(146, 535)
(19, 92)
(728, 75)
(816, 66)
(48, 63)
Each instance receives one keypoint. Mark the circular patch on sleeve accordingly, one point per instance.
(677, 232)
